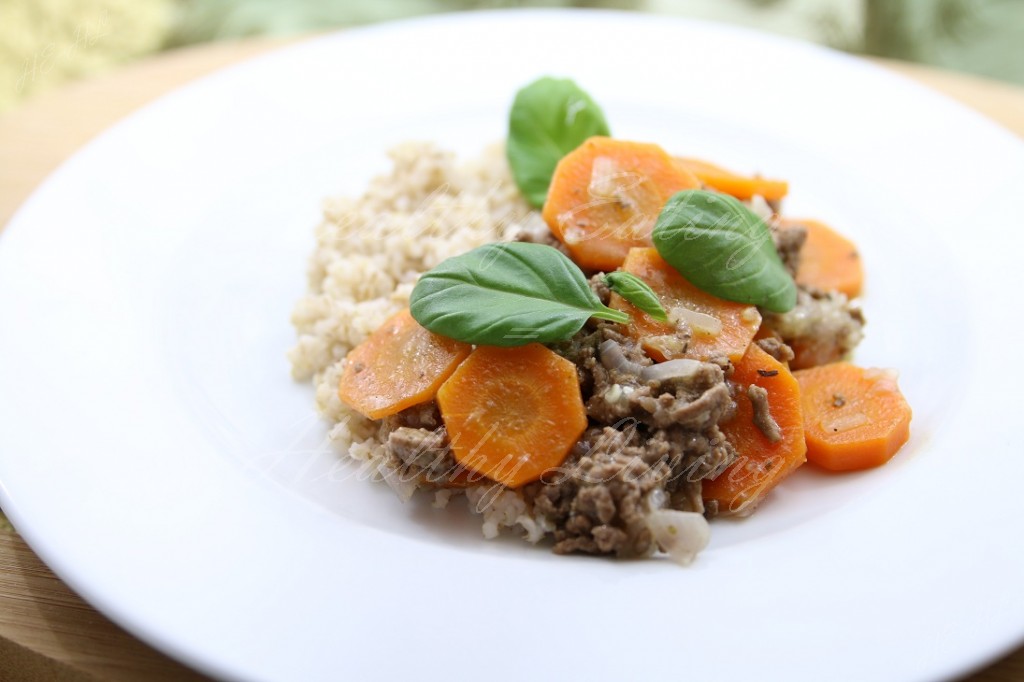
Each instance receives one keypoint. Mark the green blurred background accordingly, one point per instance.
(47, 42)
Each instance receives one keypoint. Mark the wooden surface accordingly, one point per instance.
(46, 631)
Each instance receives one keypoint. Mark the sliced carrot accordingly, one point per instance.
(854, 418)
(828, 260)
(606, 195)
(512, 413)
(399, 365)
(766, 456)
(719, 327)
(742, 187)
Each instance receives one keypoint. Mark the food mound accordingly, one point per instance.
(592, 340)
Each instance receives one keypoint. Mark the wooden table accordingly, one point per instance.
(46, 631)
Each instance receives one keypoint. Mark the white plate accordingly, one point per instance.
(156, 454)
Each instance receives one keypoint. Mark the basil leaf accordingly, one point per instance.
(549, 118)
(635, 290)
(507, 294)
(722, 247)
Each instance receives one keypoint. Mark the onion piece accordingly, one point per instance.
(682, 368)
(612, 357)
(698, 321)
(669, 345)
(681, 535)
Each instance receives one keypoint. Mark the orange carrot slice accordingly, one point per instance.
(766, 455)
(742, 187)
(512, 413)
(719, 327)
(828, 260)
(606, 195)
(854, 418)
(399, 365)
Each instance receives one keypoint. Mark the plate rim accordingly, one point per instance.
(50, 554)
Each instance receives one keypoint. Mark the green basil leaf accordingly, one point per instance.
(722, 247)
(507, 294)
(635, 290)
(550, 117)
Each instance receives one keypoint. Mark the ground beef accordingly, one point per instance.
(582, 350)
(599, 499)
(695, 399)
(613, 389)
(788, 242)
(600, 288)
(599, 503)
(418, 447)
(823, 327)
(662, 406)
(706, 453)
(654, 438)
(773, 346)
(762, 415)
